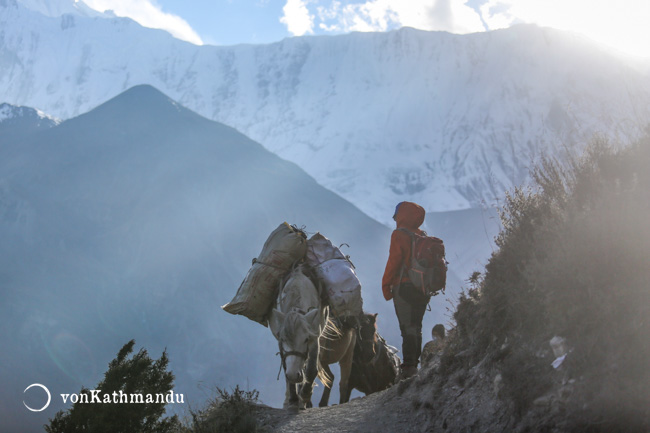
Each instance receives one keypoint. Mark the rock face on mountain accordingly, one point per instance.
(445, 120)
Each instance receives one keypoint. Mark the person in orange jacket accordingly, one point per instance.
(409, 302)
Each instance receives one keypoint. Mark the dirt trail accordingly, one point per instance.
(467, 400)
(380, 412)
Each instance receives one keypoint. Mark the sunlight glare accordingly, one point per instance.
(622, 25)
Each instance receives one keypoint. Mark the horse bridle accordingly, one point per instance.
(375, 345)
(283, 357)
(377, 353)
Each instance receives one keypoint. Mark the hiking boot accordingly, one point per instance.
(407, 371)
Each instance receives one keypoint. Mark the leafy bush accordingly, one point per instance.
(137, 375)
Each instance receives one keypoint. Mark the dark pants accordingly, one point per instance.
(410, 307)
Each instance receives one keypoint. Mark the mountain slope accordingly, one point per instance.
(445, 120)
(139, 220)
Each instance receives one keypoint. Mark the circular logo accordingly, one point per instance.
(47, 391)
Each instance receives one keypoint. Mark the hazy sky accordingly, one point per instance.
(622, 24)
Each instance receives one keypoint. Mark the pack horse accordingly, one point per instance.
(297, 322)
(314, 277)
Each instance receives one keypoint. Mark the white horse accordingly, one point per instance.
(297, 322)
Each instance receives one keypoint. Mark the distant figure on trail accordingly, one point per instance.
(435, 345)
(410, 303)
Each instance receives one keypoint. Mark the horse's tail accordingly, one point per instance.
(330, 330)
(325, 378)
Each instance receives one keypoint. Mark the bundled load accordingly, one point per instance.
(336, 273)
(257, 293)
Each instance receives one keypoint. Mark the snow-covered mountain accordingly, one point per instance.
(445, 120)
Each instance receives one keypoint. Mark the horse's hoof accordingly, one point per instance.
(292, 405)
(308, 405)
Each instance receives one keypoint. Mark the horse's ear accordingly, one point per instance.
(276, 319)
(313, 321)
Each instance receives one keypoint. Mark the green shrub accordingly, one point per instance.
(137, 375)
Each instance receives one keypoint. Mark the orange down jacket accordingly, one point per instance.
(409, 216)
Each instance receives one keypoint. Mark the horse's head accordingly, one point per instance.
(367, 337)
(297, 333)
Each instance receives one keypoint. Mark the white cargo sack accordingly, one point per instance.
(337, 276)
(259, 290)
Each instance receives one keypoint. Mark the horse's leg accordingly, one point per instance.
(324, 400)
(346, 368)
(311, 371)
(290, 396)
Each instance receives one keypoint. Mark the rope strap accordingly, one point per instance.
(268, 264)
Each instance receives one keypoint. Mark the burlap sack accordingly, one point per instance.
(259, 290)
(337, 276)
